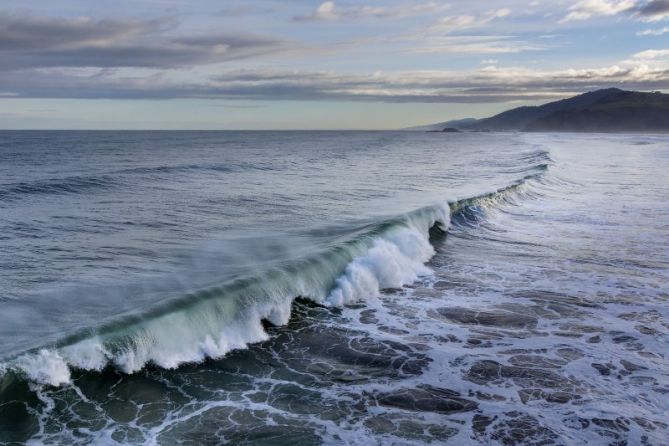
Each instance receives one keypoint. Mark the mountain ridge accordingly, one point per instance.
(605, 110)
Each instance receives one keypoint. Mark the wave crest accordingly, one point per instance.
(213, 322)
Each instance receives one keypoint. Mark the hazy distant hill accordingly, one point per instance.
(609, 110)
(458, 123)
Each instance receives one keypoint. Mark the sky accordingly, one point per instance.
(298, 64)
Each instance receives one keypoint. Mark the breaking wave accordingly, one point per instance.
(214, 321)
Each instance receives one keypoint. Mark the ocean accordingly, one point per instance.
(378, 288)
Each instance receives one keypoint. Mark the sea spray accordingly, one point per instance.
(392, 262)
(213, 322)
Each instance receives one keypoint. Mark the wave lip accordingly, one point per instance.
(394, 260)
(212, 322)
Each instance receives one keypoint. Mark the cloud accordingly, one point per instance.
(240, 10)
(33, 42)
(325, 11)
(653, 32)
(24, 32)
(499, 13)
(654, 10)
(453, 23)
(450, 24)
(462, 44)
(649, 11)
(328, 11)
(652, 54)
(586, 9)
(648, 70)
(46, 57)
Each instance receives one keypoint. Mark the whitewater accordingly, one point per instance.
(333, 287)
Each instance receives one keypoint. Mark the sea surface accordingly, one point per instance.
(376, 288)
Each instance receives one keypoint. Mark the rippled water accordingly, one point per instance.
(333, 288)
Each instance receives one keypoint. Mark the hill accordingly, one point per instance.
(458, 123)
(608, 110)
(621, 111)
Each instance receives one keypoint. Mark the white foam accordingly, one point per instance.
(394, 261)
(178, 338)
(45, 367)
(89, 354)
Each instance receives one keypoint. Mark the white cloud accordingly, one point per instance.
(329, 11)
(452, 23)
(401, 11)
(654, 32)
(325, 11)
(449, 24)
(651, 55)
(491, 44)
(500, 13)
(586, 9)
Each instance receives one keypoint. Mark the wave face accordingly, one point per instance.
(214, 321)
(332, 288)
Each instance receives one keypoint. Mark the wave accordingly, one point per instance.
(69, 185)
(214, 321)
(214, 167)
(84, 184)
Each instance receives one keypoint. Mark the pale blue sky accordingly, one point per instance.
(280, 64)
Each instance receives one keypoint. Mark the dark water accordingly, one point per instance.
(333, 288)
